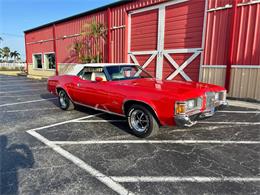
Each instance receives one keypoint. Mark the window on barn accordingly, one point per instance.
(37, 60)
(49, 61)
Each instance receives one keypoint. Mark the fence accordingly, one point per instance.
(11, 66)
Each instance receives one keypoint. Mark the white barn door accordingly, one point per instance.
(158, 43)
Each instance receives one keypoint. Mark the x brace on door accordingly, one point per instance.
(180, 69)
(166, 53)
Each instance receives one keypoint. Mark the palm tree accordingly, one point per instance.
(15, 55)
(1, 53)
(6, 53)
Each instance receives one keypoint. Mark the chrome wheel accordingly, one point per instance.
(139, 120)
(63, 99)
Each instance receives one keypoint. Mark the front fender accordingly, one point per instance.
(160, 114)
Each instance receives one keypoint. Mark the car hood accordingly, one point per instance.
(180, 89)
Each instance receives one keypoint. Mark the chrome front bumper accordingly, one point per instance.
(184, 121)
(190, 120)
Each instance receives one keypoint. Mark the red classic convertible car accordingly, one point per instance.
(128, 90)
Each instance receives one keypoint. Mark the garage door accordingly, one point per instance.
(166, 39)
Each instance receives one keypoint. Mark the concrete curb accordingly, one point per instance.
(36, 77)
(10, 73)
(244, 104)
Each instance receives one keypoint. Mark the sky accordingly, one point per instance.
(17, 16)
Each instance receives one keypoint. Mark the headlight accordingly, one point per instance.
(190, 104)
(217, 96)
(223, 95)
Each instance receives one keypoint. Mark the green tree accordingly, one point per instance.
(6, 53)
(96, 32)
(88, 46)
(15, 55)
(78, 49)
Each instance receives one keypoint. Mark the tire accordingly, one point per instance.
(64, 101)
(141, 121)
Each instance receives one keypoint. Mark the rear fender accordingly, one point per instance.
(58, 87)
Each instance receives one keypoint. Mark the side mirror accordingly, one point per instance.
(99, 79)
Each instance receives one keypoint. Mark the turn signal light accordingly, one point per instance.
(180, 108)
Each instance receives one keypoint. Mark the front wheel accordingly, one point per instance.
(64, 101)
(142, 122)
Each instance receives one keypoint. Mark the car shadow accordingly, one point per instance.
(122, 126)
(12, 158)
(49, 96)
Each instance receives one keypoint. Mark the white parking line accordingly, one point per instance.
(239, 112)
(17, 91)
(64, 122)
(229, 123)
(29, 110)
(18, 96)
(27, 102)
(193, 179)
(11, 78)
(8, 80)
(99, 121)
(154, 142)
(115, 186)
(15, 81)
(23, 85)
(201, 122)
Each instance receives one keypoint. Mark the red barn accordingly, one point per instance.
(215, 41)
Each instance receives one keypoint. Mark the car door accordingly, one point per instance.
(100, 96)
(90, 92)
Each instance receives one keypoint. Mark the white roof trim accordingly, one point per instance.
(78, 67)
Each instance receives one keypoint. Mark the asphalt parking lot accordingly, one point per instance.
(45, 150)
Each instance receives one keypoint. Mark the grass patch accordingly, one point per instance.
(11, 69)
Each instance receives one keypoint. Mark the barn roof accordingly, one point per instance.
(102, 8)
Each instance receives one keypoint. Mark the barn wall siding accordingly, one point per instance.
(247, 34)
(69, 32)
(245, 78)
(183, 30)
(245, 83)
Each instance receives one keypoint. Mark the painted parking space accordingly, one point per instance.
(105, 129)
(204, 156)
(88, 152)
(127, 161)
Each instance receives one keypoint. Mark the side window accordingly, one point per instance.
(37, 61)
(85, 74)
(90, 73)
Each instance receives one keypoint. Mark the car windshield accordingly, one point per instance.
(126, 72)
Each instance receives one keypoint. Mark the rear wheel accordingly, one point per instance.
(64, 101)
(142, 122)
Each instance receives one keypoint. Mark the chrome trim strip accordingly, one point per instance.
(233, 66)
(98, 109)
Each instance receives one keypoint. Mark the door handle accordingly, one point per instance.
(78, 85)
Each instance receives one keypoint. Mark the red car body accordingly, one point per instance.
(160, 96)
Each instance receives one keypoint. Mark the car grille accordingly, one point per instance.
(222, 96)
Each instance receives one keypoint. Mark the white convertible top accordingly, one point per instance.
(78, 67)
